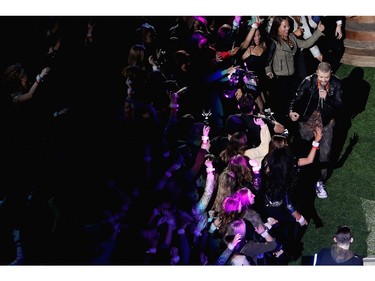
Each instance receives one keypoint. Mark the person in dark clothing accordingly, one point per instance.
(332, 44)
(317, 101)
(339, 253)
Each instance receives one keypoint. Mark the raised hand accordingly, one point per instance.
(44, 72)
(338, 32)
(321, 26)
(206, 131)
(236, 240)
(259, 121)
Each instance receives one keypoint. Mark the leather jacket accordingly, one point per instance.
(306, 99)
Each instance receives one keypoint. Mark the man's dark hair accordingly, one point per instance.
(246, 104)
(343, 235)
(233, 124)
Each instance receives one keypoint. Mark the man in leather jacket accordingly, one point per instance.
(315, 103)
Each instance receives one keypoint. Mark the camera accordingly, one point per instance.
(268, 112)
(268, 115)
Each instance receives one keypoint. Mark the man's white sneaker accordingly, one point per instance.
(320, 190)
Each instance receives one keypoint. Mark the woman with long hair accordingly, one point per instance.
(281, 65)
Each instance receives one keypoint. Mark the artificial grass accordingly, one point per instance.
(351, 188)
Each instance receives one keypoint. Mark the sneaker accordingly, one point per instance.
(320, 190)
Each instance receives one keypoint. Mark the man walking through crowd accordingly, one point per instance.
(315, 103)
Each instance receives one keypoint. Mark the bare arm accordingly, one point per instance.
(310, 158)
(245, 44)
(38, 80)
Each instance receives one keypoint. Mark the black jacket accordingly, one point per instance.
(337, 256)
(306, 99)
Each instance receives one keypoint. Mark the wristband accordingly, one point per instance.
(171, 222)
(209, 170)
(205, 138)
(176, 259)
(181, 231)
(315, 144)
(339, 22)
(174, 105)
(230, 246)
(255, 25)
(38, 79)
(268, 226)
(212, 228)
(301, 219)
(264, 234)
(151, 251)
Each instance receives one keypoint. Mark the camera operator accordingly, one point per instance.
(248, 116)
(249, 107)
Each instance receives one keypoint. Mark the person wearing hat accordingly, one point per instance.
(147, 36)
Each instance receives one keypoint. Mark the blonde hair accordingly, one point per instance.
(226, 186)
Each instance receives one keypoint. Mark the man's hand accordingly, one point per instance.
(294, 116)
(321, 27)
(320, 57)
(338, 32)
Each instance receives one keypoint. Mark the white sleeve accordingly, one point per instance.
(315, 51)
(312, 23)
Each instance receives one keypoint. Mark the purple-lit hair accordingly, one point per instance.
(243, 194)
(240, 166)
(235, 227)
(229, 211)
(231, 203)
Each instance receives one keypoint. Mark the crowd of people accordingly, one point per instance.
(184, 140)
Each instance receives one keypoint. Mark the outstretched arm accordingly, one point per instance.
(315, 146)
(201, 205)
(30, 93)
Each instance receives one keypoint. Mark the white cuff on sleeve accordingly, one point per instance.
(315, 51)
